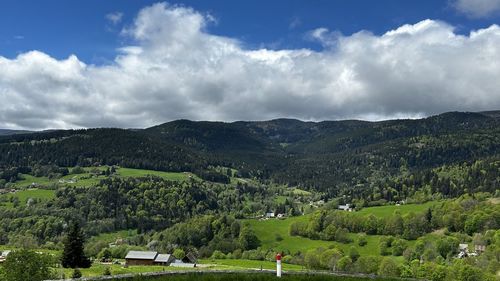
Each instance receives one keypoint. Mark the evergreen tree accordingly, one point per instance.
(73, 255)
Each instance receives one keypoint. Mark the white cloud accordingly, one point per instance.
(115, 17)
(477, 8)
(177, 69)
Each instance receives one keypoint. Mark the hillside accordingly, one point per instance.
(324, 156)
(6, 132)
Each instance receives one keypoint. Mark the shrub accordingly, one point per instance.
(362, 240)
(76, 274)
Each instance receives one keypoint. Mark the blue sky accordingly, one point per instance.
(61, 28)
(131, 63)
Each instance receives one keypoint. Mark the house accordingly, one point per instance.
(270, 215)
(346, 207)
(164, 259)
(179, 263)
(190, 258)
(153, 258)
(463, 248)
(463, 251)
(140, 258)
(479, 248)
(3, 256)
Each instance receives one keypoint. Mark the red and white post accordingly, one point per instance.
(278, 265)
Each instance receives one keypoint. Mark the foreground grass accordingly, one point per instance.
(115, 269)
(249, 264)
(254, 277)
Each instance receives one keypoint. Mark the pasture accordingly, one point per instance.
(388, 210)
(253, 276)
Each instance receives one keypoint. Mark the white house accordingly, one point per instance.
(346, 207)
(270, 215)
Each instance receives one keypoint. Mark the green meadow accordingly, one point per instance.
(383, 211)
(254, 276)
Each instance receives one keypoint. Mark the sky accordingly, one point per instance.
(133, 63)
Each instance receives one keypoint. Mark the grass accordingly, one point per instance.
(24, 195)
(250, 264)
(254, 276)
(270, 230)
(113, 236)
(383, 211)
(116, 269)
(87, 179)
(173, 176)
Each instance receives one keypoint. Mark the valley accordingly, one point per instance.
(235, 194)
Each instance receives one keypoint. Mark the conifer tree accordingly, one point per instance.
(73, 255)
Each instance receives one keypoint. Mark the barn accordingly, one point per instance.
(140, 258)
(148, 258)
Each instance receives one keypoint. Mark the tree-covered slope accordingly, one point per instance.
(325, 156)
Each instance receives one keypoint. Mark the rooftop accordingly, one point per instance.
(141, 255)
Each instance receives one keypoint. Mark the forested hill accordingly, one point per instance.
(5, 132)
(326, 156)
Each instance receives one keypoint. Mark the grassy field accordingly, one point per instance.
(127, 172)
(268, 231)
(254, 276)
(274, 233)
(383, 211)
(113, 236)
(116, 269)
(24, 195)
(87, 179)
(249, 264)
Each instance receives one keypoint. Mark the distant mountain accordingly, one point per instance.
(315, 155)
(5, 132)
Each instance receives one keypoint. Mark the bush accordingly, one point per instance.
(398, 247)
(107, 271)
(353, 254)
(218, 255)
(344, 264)
(26, 265)
(367, 264)
(76, 274)
(342, 236)
(362, 240)
(388, 267)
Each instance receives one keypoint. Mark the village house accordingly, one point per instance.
(3, 255)
(154, 258)
(148, 258)
(188, 261)
(346, 207)
(270, 215)
(480, 248)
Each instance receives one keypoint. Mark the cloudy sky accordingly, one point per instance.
(124, 63)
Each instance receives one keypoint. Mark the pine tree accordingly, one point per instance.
(73, 255)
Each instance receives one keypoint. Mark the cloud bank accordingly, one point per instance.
(176, 69)
(478, 8)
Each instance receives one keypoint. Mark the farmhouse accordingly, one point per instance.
(270, 215)
(3, 256)
(188, 261)
(148, 258)
(346, 207)
(164, 259)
